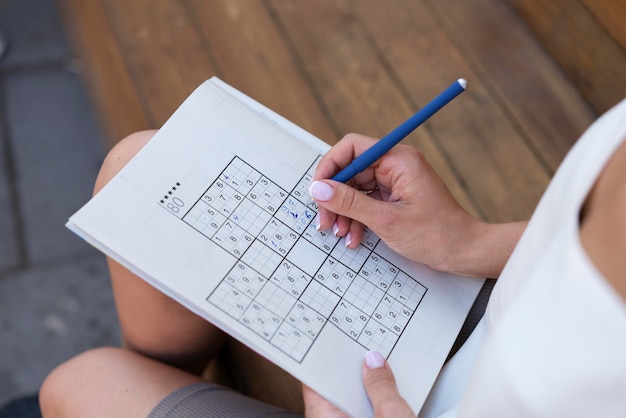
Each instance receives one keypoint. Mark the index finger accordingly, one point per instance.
(338, 157)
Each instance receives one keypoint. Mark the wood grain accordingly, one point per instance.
(585, 49)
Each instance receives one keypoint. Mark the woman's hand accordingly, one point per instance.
(381, 389)
(403, 201)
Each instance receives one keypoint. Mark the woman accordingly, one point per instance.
(551, 343)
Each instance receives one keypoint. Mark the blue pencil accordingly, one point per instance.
(377, 150)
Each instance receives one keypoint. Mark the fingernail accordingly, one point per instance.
(318, 224)
(320, 191)
(335, 229)
(348, 239)
(374, 360)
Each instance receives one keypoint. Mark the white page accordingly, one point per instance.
(212, 212)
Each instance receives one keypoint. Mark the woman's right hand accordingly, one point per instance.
(405, 203)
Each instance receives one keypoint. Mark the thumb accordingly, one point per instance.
(381, 388)
(343, 200)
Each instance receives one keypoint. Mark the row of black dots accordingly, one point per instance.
(170, 192)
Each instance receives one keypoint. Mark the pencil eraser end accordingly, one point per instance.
(462, 82)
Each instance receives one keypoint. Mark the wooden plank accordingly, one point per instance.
(526, 83)
(119, 108)
(351, 81)
(362, 93)
(166, 56)
(344, 69)
(255, 58)
(611, 15)
(590, 57)
(495, 172)
(249, 373)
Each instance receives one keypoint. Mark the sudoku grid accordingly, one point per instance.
(291, 280)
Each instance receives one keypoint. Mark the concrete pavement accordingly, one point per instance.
(55, 297)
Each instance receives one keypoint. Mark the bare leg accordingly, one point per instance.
(156, 330)
(109, 382)
(153, 324)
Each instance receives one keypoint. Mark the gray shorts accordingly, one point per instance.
(211, 400)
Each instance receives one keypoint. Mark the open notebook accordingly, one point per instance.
(213, 212)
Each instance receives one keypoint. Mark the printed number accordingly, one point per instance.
(175, 205)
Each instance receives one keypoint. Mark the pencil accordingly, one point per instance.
(377, 150)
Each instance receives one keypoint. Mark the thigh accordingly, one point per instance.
(113, 382)
(110, 382)
(152, 323)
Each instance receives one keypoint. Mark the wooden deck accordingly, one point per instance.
(339, 66)
(349, 66)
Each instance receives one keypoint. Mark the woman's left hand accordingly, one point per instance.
(381, 389)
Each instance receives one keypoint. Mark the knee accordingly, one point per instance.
(120, 155)
(69, 385)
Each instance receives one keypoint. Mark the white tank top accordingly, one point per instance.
(552, 342)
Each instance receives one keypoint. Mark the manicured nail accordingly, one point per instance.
(335, 229)
(348, 239)
(320, 191)
(318, 224)
(374, 360)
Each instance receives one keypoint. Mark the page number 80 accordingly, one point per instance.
(175, 205)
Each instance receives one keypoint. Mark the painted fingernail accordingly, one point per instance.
(320, 191)
(335, 229)
(318, 224)
(374, 360)
(348, 239)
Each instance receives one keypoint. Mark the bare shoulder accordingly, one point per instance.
(603, 227)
